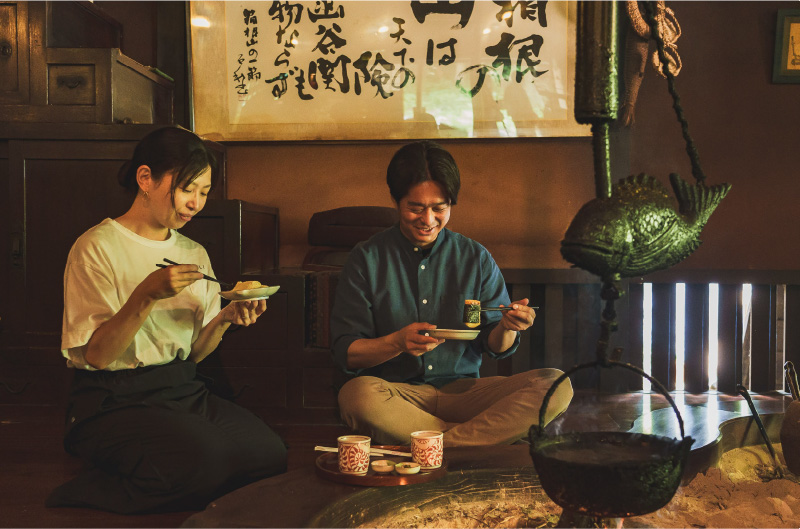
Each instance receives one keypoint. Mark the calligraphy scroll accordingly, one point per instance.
(350, 70)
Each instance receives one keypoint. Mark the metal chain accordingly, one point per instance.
(691, 149)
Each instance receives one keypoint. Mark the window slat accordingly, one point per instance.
(696, 333)
(792, 325)
(729, 370)
(663, 347)
(762, 355)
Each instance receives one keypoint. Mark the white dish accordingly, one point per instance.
(453, 334)
(407, 468)
(383, 466)
(250, 294)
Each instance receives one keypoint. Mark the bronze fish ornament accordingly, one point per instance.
(637, 230)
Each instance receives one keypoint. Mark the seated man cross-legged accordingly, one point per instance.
(415, 277)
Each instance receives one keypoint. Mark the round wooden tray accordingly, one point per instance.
(328, 468)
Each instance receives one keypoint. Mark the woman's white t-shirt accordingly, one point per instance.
(104, 266)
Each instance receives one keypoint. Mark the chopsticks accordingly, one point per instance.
(204, 276)
(791, 380)
(379, 451)
(744, 393)
(483, 309)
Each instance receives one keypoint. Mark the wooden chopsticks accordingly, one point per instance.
(791, 380)
(204, 276)
(372, 450)
(484, 309)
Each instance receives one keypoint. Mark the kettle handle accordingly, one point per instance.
(607, 363)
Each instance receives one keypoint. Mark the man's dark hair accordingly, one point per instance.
(422, 161)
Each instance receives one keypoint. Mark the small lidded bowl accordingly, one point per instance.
(382, 466)
(407, 468)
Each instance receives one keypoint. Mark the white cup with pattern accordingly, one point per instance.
(427, 449)
(354, 454)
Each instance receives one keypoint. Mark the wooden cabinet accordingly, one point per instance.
(267, 368)
(64, 87)
(56, 187)
(240, 237)
(58, 181)
(60, 63)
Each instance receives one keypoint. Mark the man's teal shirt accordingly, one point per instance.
(388, 283)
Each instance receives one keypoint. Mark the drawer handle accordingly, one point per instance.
(70, 81)
(5, 49)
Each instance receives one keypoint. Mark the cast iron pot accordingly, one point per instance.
(608, 474)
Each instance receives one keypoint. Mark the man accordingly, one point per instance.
(408, 280)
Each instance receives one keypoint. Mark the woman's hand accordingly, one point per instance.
(244, 313)
(110, 340)
(169, 281)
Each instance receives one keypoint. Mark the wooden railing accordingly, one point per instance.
(752, 345)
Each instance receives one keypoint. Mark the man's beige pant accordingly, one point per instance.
(470, 411)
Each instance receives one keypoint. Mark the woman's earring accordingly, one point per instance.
(146, 196)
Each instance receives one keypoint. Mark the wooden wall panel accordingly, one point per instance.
(663, 334)
(555, 346)
(537, 334)
(729, 370)
(7, 239)
(587, 330)
(696, 338)
(634, 351)
(763, 370)
(792, 325)
(629, 337)
(521, 360)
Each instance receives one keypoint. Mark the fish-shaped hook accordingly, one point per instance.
(637, 230)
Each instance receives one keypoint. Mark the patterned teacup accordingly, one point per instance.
(427, 449)
(354, 454)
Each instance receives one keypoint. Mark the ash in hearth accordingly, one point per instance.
(734, 494)
(478, 514)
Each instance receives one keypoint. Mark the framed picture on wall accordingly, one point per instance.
(786, 68)
(377, 69)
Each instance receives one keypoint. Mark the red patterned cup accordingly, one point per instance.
(354, 454)
(427, 449)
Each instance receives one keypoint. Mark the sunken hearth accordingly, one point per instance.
(734, 494)
(738, 491)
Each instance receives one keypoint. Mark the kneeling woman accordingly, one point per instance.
(154, 437)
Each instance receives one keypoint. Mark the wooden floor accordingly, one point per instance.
(33, 462)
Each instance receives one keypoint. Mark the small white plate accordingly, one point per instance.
(453, 334)
(382, 466)
(407, 468)
(250, 294)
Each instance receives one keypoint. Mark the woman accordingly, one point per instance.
(154, 437)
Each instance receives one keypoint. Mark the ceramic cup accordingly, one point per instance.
(354, 454)
(427, 449)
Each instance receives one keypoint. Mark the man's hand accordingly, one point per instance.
(520, 318)
(370, 352)
(409, 340)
